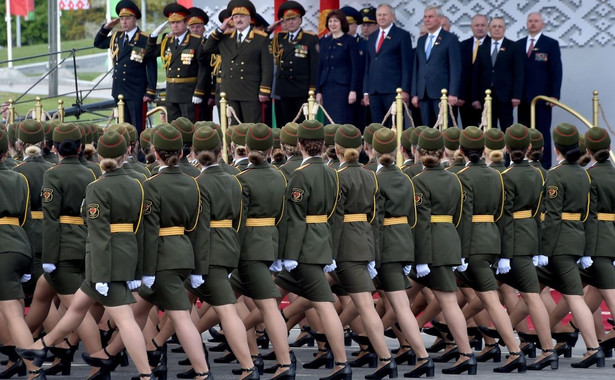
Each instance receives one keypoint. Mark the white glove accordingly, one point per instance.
(148, 280)
(26, 277)
(331, 267)
(371, 268)
(196, 100)
(196, 280)
(540, 261)
(276, 266)
(133, 284)
(407, 269)
(290, 264)
(422, 270)
(463, 267)
(159, 29)
(613, 262)
(585, 262)
(48, 267)
(231, 274)
(503, 266)
(102, 288)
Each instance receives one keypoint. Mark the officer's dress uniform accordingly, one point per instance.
(114, 248)
(483, 201)
(520, 228)
(170, 211)
(291, 164)
(456, 166)
(64, 231)
(94, 167)
(438, 197)
(216, 238)
(264, 197)
(396, 215)
(137, 166)
(16, 253)
(311, 199)
(134, 72)
(186, 74)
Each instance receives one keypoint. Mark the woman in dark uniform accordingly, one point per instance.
(338, 70)
(169, 258)
(439, 202)
(311, 197)
(483, 203)
(113, 208)
(396, 215)
(494, 149)
(353, 241)
(263, 193)
(288, 141)
(566, 204)
(16, 256)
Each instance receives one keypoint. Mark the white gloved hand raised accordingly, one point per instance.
(159, 29)
(102, 288)
(463, 267)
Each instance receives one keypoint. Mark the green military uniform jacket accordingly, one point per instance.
(372, 164)
(62, 194)
(539, 166)
(406, 165)
(230, 169)
(186, 71)
(297, 63)
(187, 168)
(138, 166)
(94, 167)
(413, 170)
(523, 187)
(394, 243)
(456, 166)
(171, 200)
(246, 70)
(312, 190)
(437, 192)
(114, 198)
(241, 164)
(11, 162)
(220, 200)
(483, 195)
(153, 167)
(33, 169)
(51, 157)
(277, 164)
(291, 165)
(358, 191)
(567, 189)
(600, 234)
(499, 166)
(134, 174)
(264, 196)
(14, 203)
(333, 163)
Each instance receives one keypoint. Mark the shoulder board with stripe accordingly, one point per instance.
(303, 166)
(555, 167)
(508, 169)
(344, 168)
(243, 172)
(309, 32)
(152, 177)
(461, 171)
(144, 34)
(260, 33)
(195, 36)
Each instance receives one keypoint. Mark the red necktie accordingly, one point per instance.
(380, 41)
(529, 51)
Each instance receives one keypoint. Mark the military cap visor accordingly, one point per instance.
(352, 15)
(197, 16)
(241, 7)
(290, 9)
(127, 8)
(175, 12)
(368, 15)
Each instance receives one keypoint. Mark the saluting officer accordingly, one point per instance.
(134, 73)
(196, 23)
(295, 52)
(187, 82)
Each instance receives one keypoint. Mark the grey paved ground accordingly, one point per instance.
(485, 370)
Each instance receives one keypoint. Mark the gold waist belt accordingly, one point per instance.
(442, 219)
(395, 220)
(37, 214)
(181, 80)
(121, 227)
(542, 216)
(606, 217)
(260, 222)
(316, 219)
(482, 219)
(522, 214)
(350, 218)
(9, 221)
(224, 223)
(171, 231)
(77, 220)
(571, 216)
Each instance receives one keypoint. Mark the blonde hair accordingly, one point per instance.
(109, 164)
(350, 154)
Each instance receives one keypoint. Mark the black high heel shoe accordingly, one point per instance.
(254, 375)
(230, 357)
(564, 349)
(270, 356)
(552, 360)
(368, 358)
(608, 344)
(529, 350)
(274, 368)
(494, 353)
(326, 359)
(263, 339)
(66, 356)
(146, 376)
(389, 370)
(566, 337)
(437, 346)
(525, 337)
(102, 374)
(41, 374)
(258, 362)
(307, 339)
(37, 356)
(443, 328)
(407, 356)
(518, 364)
(105, 335)
(344, 373)
(18, 367)
(221, 347)
(467, 365)
(347, 337)
(106, 364)
(491, 333)
(189, 374)
(448, 355)
(216, 336)
(207, 375)
(596, 358)
(289, 374)
(427, 368)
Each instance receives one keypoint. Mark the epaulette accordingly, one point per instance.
(309, 32)
(344, 168)
(462, 170)
(303, 166)
(152, 177)
(508, 169)
(145, 34)
(242, 172)
(260, 32)
(418, 174)
(196, 35)
(23, 162)
(555, 167)
(229, 31)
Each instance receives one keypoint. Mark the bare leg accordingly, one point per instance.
(333, 331)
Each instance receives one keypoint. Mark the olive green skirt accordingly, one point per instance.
(354, 277)
(391, 277)
(13, 266)
(168, 291)
(253, 279)
(601, 274)
(118, 293)
(479, 275)
(67, 277)
(562, 274)
(217, 289)
(441, 278)
(522, 275)
(308, 281)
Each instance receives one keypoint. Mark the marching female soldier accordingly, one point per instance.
(494, 149)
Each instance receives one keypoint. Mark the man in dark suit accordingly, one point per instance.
(134, 74)
(196, 23)
(437, 65)
(295, 53)
(469, 51)
(247, 64)
(498, 67)
(542, 76)
(388, 64)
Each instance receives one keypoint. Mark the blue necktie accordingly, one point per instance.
(429, 46)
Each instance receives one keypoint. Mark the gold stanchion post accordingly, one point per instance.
(61, 110)
(11, 119)
(223, 124)
(444, 103)
(596, 109)
(399, 109)
(488, 104)
(120, 109)
(38, 109)
(311, 103)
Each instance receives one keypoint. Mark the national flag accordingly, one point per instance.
(326, 6)
(111, 6)
(185, 3)
(24, 8)
(73, 5)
